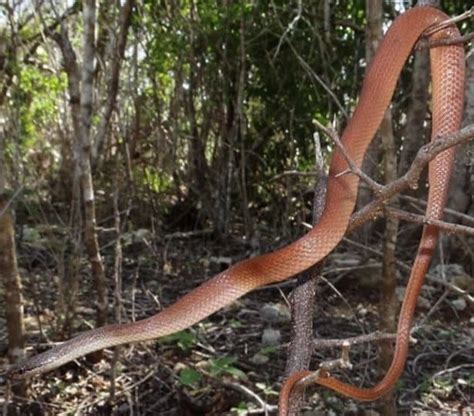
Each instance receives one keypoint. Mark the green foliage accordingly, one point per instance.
(224, 365)
(156, 180)
(37, 98)
(184, 340)
(190, 377)
(241, 409)
(266, 389)
(268, 350)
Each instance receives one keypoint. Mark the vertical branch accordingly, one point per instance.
(303, 297)
(372, 157)
(9, 275)
(388, 303)
(200, 169)
(117, 274)
(68, 282)
(118, 50)
(388, 306)
(415, 132)
(87, 85)
(240, 116)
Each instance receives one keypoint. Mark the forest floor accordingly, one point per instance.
(226, 365)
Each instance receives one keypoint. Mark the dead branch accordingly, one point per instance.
(466, 218)
(421, 219)
(331, 133)
(335, 343)
(425, 154)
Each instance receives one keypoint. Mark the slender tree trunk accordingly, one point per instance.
(198, 161)
(388, 307)
(388, 303)
(69, 270)
(224, 161)
(117, 50)
(9, 275)
(241, 131)
(87, 84)
(415, 133)
(117, 276)
(302, 300)
(372, 158)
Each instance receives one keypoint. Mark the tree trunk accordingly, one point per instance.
(197, 155)
(415, 133)
(9, 274)
(69, 269)
(117, 51)
(241, 133)
(302, 302)
(302, 299)
(388, 302)
(388, 307)
(90, 234)
(372, 157)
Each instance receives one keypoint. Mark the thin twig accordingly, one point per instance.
(428, 43)
(320, 344)
(265, 407)
(376, 187)
(445, 23)
(10, 200)
(289, 28)
(460, 215)
(292, 173)
(421, 219)
(425, 154)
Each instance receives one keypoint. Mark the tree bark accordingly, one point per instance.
(241, 132)
(9, 273)
(388, 307)
(117, 49)
(388, 303)
(374, 152)
(415, 133)
(69, 271)
(90, 234)
(302, 300)
(80, 88)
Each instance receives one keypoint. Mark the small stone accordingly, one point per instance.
(423, 303)
(400, 293)
(260, 359)
(271, 337)
(275, 313)
(459, 304)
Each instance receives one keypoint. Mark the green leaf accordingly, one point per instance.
(223, 365)
(236, 372)
(190, 377)
(184, 339)
(241, 409)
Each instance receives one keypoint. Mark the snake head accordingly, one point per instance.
(32, 366)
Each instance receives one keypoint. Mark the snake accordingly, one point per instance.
(447, 67)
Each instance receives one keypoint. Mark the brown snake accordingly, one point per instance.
(447, 64)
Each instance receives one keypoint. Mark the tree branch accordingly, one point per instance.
(425, 154)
